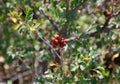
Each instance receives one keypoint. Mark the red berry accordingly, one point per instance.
(107, 13)
(54, 41)
(62, 39)
(115, 3)
(61, 45)
(57, 37)
(58, 41)
(62, 42)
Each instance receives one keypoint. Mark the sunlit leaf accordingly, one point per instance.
(13, 19)
(53, 64)
(116, 55)
(65, 69)
(86, 57)
(32, 29)
(15, 26)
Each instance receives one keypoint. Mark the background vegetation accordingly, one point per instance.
(91, 29)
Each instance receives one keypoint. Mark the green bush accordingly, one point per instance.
(90, 54)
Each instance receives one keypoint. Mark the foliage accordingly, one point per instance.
(90, 28)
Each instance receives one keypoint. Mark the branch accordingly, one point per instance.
(50, 47)
(93, 33)
(50, 20)
(67, 8)
(105, 26)
(108, 19)
(116, 50)
(79, 6)
(72, 38)
(115, 14)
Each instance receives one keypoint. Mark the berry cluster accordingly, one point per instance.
(58, 41)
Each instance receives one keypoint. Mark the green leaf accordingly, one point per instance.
(28, 12)
(98, 28)
(99, 44)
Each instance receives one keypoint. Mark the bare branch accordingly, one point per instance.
(105, 26)
(72, 38)
(93, 33)
(50, 20)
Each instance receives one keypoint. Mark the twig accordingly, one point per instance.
(50, 20)
(79, 6)
(105, 26)
(67, 8)
(47, 42)
(92, 33)
(51, 47)
(116, 50)
(72, 38)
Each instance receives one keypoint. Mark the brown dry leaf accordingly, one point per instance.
(14, 15)
(28, 78)
(76, 77)
(15, 11)
(1, 70)
(53, 64)
(115, 2)
(97, 9)
(112, 80)
(13, 19)
(115, 56)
